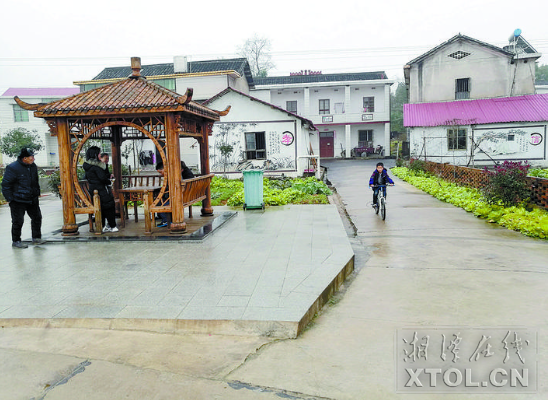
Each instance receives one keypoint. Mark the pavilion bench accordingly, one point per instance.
(194, 190)
(93, 211)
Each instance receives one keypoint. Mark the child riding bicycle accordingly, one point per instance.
(379, 177)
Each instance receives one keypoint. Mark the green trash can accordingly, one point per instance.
(253, 189)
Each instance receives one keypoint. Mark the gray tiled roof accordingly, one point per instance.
(239, 65)
(297, 79)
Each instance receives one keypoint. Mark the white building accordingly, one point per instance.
(262, 136)
(350, 110)
(12, 116)
(465, 68)
(472, 103)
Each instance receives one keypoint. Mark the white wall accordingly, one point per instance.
(248, 115)
(335, 95)
(353, 109)
(527, 141)
(281, 97)
(48, 156)
(378, 134)
(204, 87)
(262, 94)
(492, 74)
(356, 98)
(239, 84)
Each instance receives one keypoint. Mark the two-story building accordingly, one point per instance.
(12, 116)
(350, 110)
(472, 103)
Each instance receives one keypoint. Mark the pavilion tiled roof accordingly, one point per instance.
(529, 108)
(133, 95)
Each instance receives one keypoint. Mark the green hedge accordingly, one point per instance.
(529, 221)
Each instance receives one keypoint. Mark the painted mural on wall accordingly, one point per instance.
(227, 149)
(504, 143)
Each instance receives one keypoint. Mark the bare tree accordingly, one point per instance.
(256, 50)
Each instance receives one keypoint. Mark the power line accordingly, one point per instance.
(331, 53)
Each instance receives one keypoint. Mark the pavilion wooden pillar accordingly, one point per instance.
(117, 163)
(174, 175)
(204, 161)
(67, 184)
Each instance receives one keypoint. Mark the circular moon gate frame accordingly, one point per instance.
(82, 141)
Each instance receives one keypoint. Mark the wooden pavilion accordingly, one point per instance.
(130, 109)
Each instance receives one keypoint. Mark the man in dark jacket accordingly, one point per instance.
(21, 189)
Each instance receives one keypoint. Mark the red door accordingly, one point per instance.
(326, 144)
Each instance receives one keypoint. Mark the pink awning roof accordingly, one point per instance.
(41, 92)
(530, 108)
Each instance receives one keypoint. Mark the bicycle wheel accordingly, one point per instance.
(377, 205)
(383, 209)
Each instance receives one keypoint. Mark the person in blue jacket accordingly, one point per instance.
(379, 177)
(21, 190)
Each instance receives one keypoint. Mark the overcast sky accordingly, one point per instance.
(54, 43)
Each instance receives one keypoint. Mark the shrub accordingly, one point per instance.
(416, 165)
(311, 186)
(54, 180)
(507, 184)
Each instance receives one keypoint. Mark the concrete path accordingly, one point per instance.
(429, 267)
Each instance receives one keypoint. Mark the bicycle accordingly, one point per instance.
(381, 200)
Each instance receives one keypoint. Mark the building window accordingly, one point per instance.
(365, 138)
(255, 146)
(456, 139)
(20, 115)
(167, 83)
(462, 89)
(457, 55)
(368, 104)
(339, 108)
(291, 106)
(324, 106)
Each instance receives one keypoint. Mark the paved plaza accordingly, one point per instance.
(261, 272)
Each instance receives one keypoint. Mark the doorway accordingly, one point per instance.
(327, 141)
